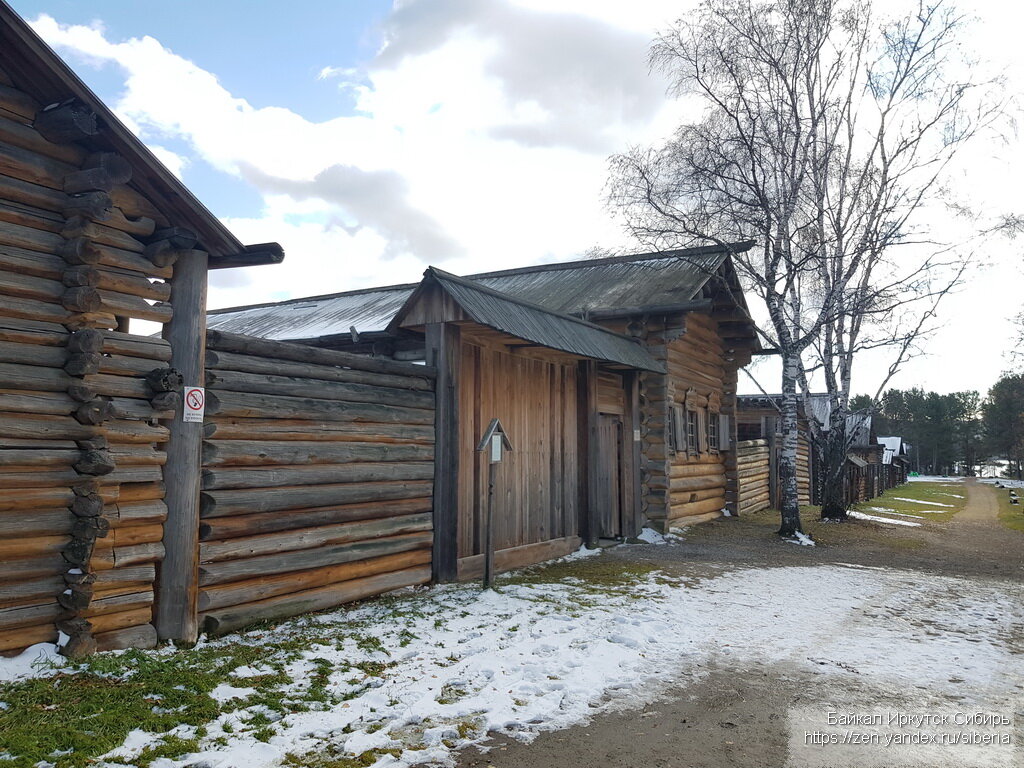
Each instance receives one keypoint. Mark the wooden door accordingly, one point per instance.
(609, 474)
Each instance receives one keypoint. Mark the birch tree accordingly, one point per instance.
(820, 134)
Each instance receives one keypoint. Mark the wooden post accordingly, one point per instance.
(177, 605)
(589, 458)
(444, 354)
(774, 492)
(492, 467)
(631, 454)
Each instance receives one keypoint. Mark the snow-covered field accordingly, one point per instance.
(446, 665)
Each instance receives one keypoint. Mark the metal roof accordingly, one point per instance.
(573, 287)
(534, 323)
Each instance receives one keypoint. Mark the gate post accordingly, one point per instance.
(178, 598)
(444, 353)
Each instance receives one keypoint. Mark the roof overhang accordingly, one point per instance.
(444, 297)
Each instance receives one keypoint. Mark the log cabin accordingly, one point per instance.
(99, 474)
(615, 380)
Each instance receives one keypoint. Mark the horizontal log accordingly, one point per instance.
(80, 226)
(123, 304)
(261, 453)
(18, 102)
(508, 559)
(222, 428)
(35, 168)
(220, 528)
(138, 636)
(697, 483)
(101, 605)
(111, 622)
(304, 560)
(118, 281)
(230, 478)
(225, 620)
(31, 591)
(682, 511)
(695, 470)
(269, 406)
(26, 547)
(134, 205)
(14, 640)
(268, 384)
(239, 502)
(231, 361)
(150, 348)
(48, 498)
(688, 497)
(137, 492)
(252, 590)
(48, 427)
(30, 615)
(33, 309)
(120, 577)
(106, 558)
(249, 345)
(31, 377)
(309, 538)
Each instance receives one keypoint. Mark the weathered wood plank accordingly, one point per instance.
(230, 503)
(263, 453)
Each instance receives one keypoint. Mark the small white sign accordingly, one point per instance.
(195, 404)
(496, 447)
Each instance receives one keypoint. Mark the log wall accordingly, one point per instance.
(317, 480)
(536, 505)
(81, 454)
(753, 469)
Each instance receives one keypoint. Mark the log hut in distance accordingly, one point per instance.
(614, 378)
(99, 475)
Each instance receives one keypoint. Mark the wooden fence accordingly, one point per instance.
(757, 464)
(317, 481)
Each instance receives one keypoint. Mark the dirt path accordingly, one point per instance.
(722, 716)
(982, 506)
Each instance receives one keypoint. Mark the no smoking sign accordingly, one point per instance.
(195, 404)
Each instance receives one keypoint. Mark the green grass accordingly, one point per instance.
(71, 717)
(1010, 515)
(929, 492)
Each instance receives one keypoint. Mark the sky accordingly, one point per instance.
(372, 139)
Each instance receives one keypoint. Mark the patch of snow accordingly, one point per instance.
(800, 538)
(726, 512)
(247, 671)
(225, 692)
(651, 536)
(934, 479)
(876, 519)
(954, 495)
(893, 512)
(35, 661)
(929, 503)
(526, 658)
(580, 553)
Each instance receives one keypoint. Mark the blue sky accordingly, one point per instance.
(372, 139)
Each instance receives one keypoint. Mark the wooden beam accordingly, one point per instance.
(589, 451)
(444, 342)
(631, 454)
(177, 607)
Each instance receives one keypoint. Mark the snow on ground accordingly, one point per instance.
(929, 503)
(456, 661)
(876, 519)
(935, 479)
(32, 662)
(888, 511)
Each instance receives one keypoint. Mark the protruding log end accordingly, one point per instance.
(79, 646)
(81, 299)
(66, 122)
(79, 250)
(81, 276)
(166, 401)
(87, 506)
(95, 206)
(83, 364)
(88, 341)
(75, 598)
(95, 412)
(78, 552)
(164, 380)
(81, 393)
(95, 463)
(90, 528)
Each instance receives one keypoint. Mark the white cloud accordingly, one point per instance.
(478, 141)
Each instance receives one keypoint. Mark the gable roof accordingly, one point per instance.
(37, 70)
(669, 279)
(530, 322)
